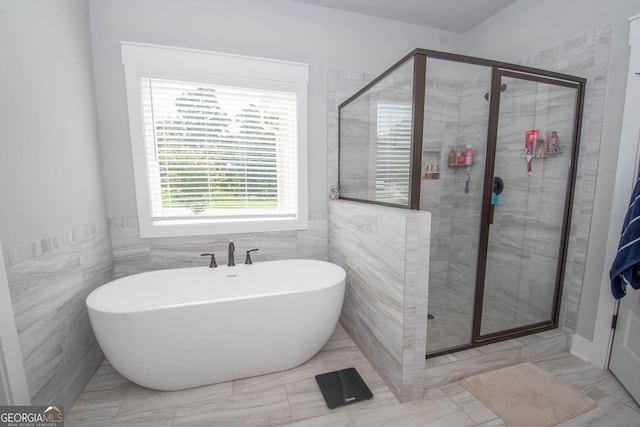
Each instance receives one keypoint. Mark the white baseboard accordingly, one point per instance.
(586, 350)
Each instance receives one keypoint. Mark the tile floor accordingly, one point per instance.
(293, 398)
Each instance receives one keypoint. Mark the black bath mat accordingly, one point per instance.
(343, 387)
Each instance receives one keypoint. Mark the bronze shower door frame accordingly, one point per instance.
(487, 208)
(498, 69)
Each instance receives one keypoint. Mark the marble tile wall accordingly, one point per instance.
(464, 237)
(340, 86)
(385, 252)
(441, 124)
(358, 180)
(49, 280)
(587, 56)
(132, 255)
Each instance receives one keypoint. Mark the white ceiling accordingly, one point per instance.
(458, 16)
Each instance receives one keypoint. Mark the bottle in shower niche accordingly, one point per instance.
(429, 172)
(468, 155)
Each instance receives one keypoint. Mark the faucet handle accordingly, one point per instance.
(247, 260)
(212, 264)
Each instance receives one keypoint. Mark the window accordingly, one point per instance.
(393, 152)
(218, 141)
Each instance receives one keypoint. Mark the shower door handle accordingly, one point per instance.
(498, 186)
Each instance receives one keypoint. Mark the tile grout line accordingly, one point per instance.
(175, 415)
(635, 408)
(353, 423)
(462, 409)
(286, 393)
(125, 399)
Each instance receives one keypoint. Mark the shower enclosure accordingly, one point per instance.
(490, 150)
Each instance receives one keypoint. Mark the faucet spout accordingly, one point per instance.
(231, 259)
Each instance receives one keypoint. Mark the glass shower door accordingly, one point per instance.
(455, 120)
(527, 217)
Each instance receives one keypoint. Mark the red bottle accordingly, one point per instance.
(462, 159)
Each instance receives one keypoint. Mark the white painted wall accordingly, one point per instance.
(534, 25)
(278, 29)
(50, 178)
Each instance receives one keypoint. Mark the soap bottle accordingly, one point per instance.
(452, 157)
(468, 155)
(462, 160)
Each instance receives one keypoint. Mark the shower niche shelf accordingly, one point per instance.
(546, 155)
(457, 156)
(431, 167)
(539, 145)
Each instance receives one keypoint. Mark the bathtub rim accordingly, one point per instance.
(94, 295)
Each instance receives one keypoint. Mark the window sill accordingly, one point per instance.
(169, 228)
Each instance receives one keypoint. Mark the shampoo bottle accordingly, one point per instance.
(462, 160)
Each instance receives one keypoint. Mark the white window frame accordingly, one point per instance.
(164, 62)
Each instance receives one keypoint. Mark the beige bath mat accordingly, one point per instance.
(524, 395)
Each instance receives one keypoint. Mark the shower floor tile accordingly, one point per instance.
(293, 397)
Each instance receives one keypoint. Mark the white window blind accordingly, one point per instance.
(217, 151)
(218, 141)
(393, 152)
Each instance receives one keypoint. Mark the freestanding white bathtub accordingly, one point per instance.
(188, 327)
